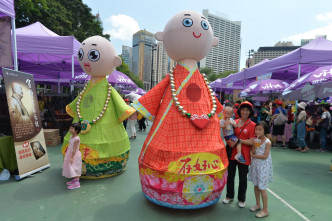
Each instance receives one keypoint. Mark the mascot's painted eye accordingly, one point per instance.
(205, 25)
(187, 22)
(93, 55)
(80, 54)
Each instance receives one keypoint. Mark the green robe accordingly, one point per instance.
(105, 149)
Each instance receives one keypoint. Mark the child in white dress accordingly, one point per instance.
(261, 172)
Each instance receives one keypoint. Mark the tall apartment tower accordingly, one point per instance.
(270, 53)
(142, 56)
(226, 56)
(162, 63)
(127, 55)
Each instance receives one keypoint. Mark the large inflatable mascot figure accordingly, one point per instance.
(100, 109)
(183, 162)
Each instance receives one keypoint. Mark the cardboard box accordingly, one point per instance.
(50, 134)
(53, 142)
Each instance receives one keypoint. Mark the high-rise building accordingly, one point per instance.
(226, 55)
(162, 63)
(306, 41)
(142, 56)
(277, 50)
(127, 55)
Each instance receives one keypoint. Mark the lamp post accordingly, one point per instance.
(152, 71)
(251, 52)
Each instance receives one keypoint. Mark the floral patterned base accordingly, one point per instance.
(112, 167)
(182, 191)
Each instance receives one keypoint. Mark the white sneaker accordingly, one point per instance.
(241, 204)
(227, 201)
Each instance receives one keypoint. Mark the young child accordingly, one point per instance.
(260, 172)
(72, 165)
(227, 124)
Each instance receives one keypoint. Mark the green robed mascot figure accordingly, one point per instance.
(100, 110)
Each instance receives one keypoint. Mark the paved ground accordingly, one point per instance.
(301, 180)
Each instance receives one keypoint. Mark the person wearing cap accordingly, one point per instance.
(278, 130)
(236, 107)
(301, 129)
(265, 115)
(245, 132)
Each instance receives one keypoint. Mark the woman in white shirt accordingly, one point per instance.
(301, 129)
(324, 124)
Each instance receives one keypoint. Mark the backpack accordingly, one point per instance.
(280, 119)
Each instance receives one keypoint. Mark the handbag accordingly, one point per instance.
(280, 119)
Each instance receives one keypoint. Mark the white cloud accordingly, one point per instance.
(122, 27)
(311, 34)
(324, 16)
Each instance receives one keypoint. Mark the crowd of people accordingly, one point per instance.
(246, 130)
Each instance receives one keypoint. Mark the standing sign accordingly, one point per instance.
(264, 77)
(30, 147)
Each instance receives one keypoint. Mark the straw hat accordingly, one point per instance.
(302, 105)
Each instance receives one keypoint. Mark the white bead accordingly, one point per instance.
(104, 109)
(106, 105)
(94, 121)
(97, 119)
(177, 103)
(203, 74)
(175, 99)
(172, 85)
(180, 108)
(213, 100)
(183, 112)
(214, 106)
(212, 112)
(173, 90)
(205, 79)
(102, 112)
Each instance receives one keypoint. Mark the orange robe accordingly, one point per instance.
(175, 152)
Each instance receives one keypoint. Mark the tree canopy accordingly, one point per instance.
(61, 16)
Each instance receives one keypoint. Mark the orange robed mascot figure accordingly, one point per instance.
(183, 163)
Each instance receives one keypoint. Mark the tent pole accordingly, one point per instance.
(14, 43)
(72, 73)
(299, 72)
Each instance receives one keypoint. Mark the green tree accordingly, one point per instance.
(61, 16)
(206, 71)
(124, 68)
(226, 73)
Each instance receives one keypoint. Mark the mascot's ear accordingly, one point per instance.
(117, 61)
(159, 36)
(215, 41)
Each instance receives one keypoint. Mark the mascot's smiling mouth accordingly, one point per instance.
(200, 34)
(87, 67)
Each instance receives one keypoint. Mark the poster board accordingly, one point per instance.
(28, 134)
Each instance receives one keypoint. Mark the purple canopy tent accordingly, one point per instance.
(264, 87)
(47, 55)
(311, 85)
(140, 91)
(291, 66)
(119, 78)
(7, 9)
(240, 77)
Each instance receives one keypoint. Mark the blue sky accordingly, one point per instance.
(264, 22)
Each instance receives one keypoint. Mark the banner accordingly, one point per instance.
(5, 43)
(28, 134)
(264, 77)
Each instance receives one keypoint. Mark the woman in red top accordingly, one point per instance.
(245, 132)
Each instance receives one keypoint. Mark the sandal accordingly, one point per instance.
(261, 214)
(254, 208)
(298, 149)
